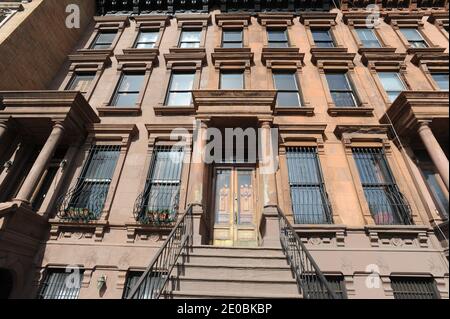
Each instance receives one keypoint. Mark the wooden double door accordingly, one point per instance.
(235, 207)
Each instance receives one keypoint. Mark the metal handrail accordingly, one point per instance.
(310, 279)
(153, 281)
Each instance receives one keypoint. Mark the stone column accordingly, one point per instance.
(434, 151)
(268, 165)
(197, 180)
(40, 164)
(3, 127)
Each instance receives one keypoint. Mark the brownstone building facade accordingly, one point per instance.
(103, 130)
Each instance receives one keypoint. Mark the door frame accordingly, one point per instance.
(235, 167)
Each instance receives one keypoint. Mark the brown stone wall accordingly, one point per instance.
(26, 60)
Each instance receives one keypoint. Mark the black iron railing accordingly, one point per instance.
(84, 202)
(310, 280)
(152, 284)
(158, 206)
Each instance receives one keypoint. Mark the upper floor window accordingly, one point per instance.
(287, 86)
(368, 38)
(341, 90)
(232, 80)
(322, 38)
(59, 284)
(104, 39)
(86, 201)
(441, 80)
(81, 82)
(180, 89)
(386, 204)
(277, 38)
(128, 90)
(146, 40)
(414, 288)
(309, 200)
(414, 37)
(392, 84)
(232, 39)
(190, 39)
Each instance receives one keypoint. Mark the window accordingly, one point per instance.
(147, 289)
(5, 14)
(287, 87)
(88, 198)
(59, 284)
(386, 204)
(278, 38)
(180, 89)
(437, 191)
(414, 37)
(128, 90)
(392, 84)
(232, 39)
(232, 80)
(104, 40)
(323, 38)
(341, 90)
(190, 39)
(441, 80)
(81, 82)
(162, 189)
(309, 199)
(315, 290)
(146, 40)
(414, 288)
(368, 38)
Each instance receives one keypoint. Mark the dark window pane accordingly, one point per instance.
(81, 82)
(285, 81)
(232, 45)
(337, 81)
(232, 36)
(288, 99)
(277, 35)
(278, 45)
(342, 99)
(368, 38)
(148, 37)
(104, 40)
(232, 81)
(190, 39)
(441, 80)
(321, 35)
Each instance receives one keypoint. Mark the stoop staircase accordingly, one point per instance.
(216, 272)
(181, 270)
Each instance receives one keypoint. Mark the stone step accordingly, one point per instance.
(238, 271)
(197, 294)
(235, 260)
(243, 286)
(238, 251)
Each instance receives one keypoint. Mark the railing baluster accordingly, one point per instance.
(310, 280)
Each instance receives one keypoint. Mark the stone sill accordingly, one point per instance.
(175, 110)
(425, 50)
(394, 235)
(350, 111)
(57, 225)
(95, 51)
(103, 111)
(308, 232)
(295, 110)
(135, 229)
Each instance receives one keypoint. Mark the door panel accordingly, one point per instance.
(235, 215)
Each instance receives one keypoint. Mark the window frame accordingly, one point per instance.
(192, 22)
(170, 91)
(350, 90)
(387, 92)
(297, 85)
(376, 35)
(118, 91)
(229, 29)
(410, 42)
(149, 24)
(329, 32)
(106, 24)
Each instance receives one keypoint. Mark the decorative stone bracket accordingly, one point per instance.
(398, 236)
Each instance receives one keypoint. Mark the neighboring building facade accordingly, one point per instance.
(90, 177)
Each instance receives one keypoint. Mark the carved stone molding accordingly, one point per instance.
(398, 236)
